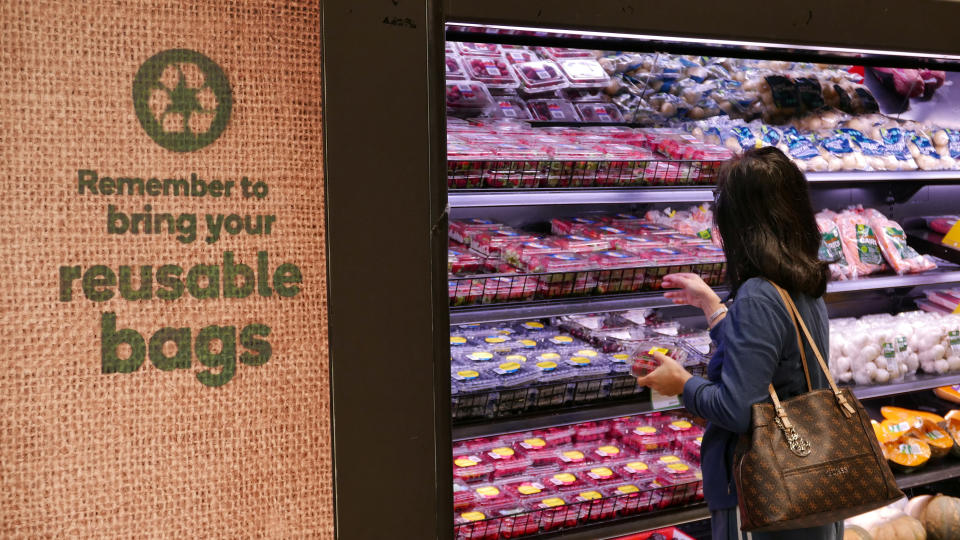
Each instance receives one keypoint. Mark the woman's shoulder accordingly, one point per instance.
(758, 289)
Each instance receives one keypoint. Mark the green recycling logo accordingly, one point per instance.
(182, 99)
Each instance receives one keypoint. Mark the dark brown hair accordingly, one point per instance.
(767, 224)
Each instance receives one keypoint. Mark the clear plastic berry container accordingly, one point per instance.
(565, 481)
(578, 243)
(576, 225)
(558, 436)
(587, 432)
(584, 95)
(600, 474)
(541, 454)
(475, 525)
(540, 76)
(465, 164)
(493, 71)
(637, 470)
(610, 451)
(573, 165)
(617, 259)
(650, 229)
(490, 242)
(558, 262)
(584, 367)
(460, 342)
(462, 262)
(639, 243)
(454, 67)
(513, 374)
(462, 230)
(526, 488)
(606, 232)
(584, 72)
(498, 343)
(552, 110)
(518, 253)
(520, 56)
(511, 107)
(594, 506)
(682, 429)
(690, 449)
(631, 499)
(468, 97)
(554, 512)
(471, 379)
(516, 165)
(572, 458)
(560, 53)
(648, 439)
(686, 240)
(481, 49)
(472, 469)
(599, 112)
(463, 497)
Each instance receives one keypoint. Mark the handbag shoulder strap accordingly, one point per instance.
(796, 329)
(845, 406)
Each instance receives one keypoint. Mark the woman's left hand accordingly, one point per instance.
(668, 379)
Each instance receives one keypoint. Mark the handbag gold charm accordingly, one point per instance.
(797, 444)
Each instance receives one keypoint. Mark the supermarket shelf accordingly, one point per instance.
(549, 419)
(474, 198)
(946, 470)
(595, 304)
(931, 243)
(912, 384)
(658, 520)
(553, 308)
(857, 177)
(947, 275)
(478, 198)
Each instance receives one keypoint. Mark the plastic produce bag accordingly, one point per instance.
(860, 246)
(893, 243)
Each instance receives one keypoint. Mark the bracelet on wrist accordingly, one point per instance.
(712, 319)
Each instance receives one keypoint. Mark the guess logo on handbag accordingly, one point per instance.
(836, 472)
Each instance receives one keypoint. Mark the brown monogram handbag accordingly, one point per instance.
(812, 459)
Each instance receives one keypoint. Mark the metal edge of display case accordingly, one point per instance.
(633, 525)
(946, 470)
(545, 197)
(914, 384)
(793, 31)
(553, 308)
(596, 304)
(857, 177)
(479, 198)
(365, 384)
(548, 419)
(893, 282)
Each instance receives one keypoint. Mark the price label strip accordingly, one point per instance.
(659, 401)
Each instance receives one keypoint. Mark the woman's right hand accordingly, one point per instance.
(691, 290)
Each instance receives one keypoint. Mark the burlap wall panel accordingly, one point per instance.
(156, 453)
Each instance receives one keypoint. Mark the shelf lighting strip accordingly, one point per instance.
(845, 51)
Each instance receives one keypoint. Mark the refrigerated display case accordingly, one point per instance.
(387, 165)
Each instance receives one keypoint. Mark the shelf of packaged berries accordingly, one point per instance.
(605, 411)
(666, 518)
(506, 311)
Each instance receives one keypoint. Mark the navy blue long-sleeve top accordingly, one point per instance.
(756, 344)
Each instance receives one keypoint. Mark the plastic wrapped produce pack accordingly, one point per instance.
(877, 349)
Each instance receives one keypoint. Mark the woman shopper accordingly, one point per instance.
(769, 232)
